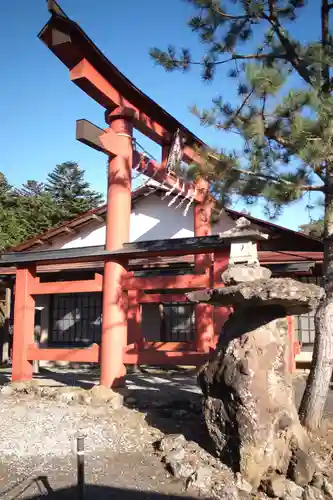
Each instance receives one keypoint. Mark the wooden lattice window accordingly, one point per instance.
(75, 319)
(169, 322)
(179, 322)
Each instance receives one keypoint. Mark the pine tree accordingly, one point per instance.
(287, 133)
(68, 188)
(31, 188)
(5, 188)
(34, 207)
(7, 225)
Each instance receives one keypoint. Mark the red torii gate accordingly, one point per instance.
(126, 108)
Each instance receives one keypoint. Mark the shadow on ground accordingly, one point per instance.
(95, 492)
(169, 398)
(171, 402)
(85, 379)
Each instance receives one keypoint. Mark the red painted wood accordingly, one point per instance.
(204, 326)
(94, 285)
(291, 350)
(134, 317)
(160, 346)
(84, 355)
(114, 324)
(164, 282)
(24, 319)
(221, 262)
(162, 298)
(150, 357)
(96, 86)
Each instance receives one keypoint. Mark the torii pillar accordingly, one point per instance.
(204, 325)
(114, 319)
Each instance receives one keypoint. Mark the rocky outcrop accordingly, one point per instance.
(248, 395)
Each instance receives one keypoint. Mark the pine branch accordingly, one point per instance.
(278, 180)
(230, 17)
(272, 178)
(291, 54)
(171, 63)
(239, 110)
(243, 57)
(273, 135)
(271, 6)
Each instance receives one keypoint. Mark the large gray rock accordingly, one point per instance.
(275, 486)
(293, 296)
(302, 468)
(245, 273)
(248, 395)
(171, 442)
(312, 493)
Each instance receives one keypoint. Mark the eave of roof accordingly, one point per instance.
(266, 258)
(138, 249)
(271, 225)
(137, 195)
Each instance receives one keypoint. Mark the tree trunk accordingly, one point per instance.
(318, 383)
(317, 386)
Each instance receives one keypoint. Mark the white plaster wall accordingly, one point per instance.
(151, 219)
(90, 235)
(304, 356)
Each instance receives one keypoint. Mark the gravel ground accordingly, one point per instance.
(38, 438)
(48, 429)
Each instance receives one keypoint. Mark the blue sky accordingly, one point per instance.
(39, 105)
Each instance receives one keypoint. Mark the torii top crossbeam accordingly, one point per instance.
(101, 80)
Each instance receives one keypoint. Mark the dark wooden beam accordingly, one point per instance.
(54, 8)
(89, 134)
(69, 230)
(98, 218)
(143, 249)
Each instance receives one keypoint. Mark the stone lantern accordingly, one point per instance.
(247, 386)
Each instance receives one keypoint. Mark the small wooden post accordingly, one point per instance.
(80, 467)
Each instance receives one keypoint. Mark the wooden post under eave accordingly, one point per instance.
(204, 324)
(24, 319)
(114, 320)
(5, 330)
(134, 317)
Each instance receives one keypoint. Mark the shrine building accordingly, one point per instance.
(109, 286)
